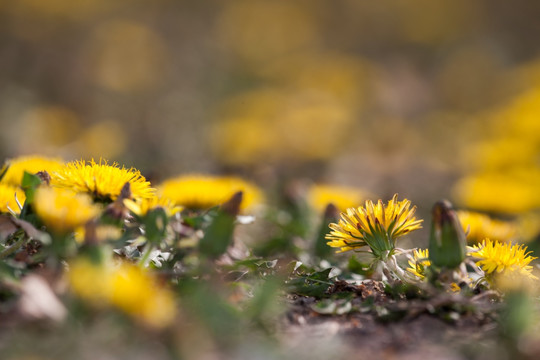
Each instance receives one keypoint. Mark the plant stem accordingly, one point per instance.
(10, 250)
(146, 255)
(393, 268)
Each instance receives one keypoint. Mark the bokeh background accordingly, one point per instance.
(430, 99)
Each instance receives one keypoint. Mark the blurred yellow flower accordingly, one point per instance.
(377, 226)
(505, 173)
(514, 281)
(105, 138)
(101, 180)
(47, 129)
(113, 46)
(62, 210)
(274, 125)
(343, 197)
(31, 164)
(142, 207)
(481, 226)
(418, 265)
(127, 287)
(258, 31)
(496, 257)
(510, 191)
(204, 191)
(345, 78)
(7, 198)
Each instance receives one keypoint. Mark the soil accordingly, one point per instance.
(379, 327)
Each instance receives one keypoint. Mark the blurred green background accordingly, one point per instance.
(430, 99)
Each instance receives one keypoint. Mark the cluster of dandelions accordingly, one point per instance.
(374, 228)
(85, 203)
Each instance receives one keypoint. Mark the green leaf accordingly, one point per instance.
(198, 221)
(218, 236)
(358, 267)
(205, 304)
(265, 300)
(3, 171)
(314, 284)
(322, 250)
(29, 184)
(155, 225)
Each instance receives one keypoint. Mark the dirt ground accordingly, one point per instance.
(445, 328)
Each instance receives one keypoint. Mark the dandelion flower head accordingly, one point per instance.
(130, 289)
(497, 257)
(419, 263)
(143, 206)
(203, 191)
(101, 180)
(62, 210)
(375, 225)
(31, 164)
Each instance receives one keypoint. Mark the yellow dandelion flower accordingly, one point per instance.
(129, 288)
(481, 226)
(7, 198)
(343, 197)
(62, 210)
(142, 207)
(420, 263)
(31, 164)
(377, 226)
(203, 191)
(101, 180)
(497, 257)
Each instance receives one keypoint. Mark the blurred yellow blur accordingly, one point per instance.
(432, 99)
(126, 56)
(505, 165)
(258, 31)
(270, 125)
(47, 128)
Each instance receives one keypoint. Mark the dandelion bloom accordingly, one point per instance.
(203, 191)
(420, 263)
(101, 180)
(143, 206)
(62, 210)
(343, 197)
(479, 226)
(127, 287)
(7, 198)
(32, 164)
(377, 226)
(497, 257)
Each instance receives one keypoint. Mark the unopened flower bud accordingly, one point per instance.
(447, 242)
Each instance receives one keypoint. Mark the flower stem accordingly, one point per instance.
(393, 269)
(146, 255)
